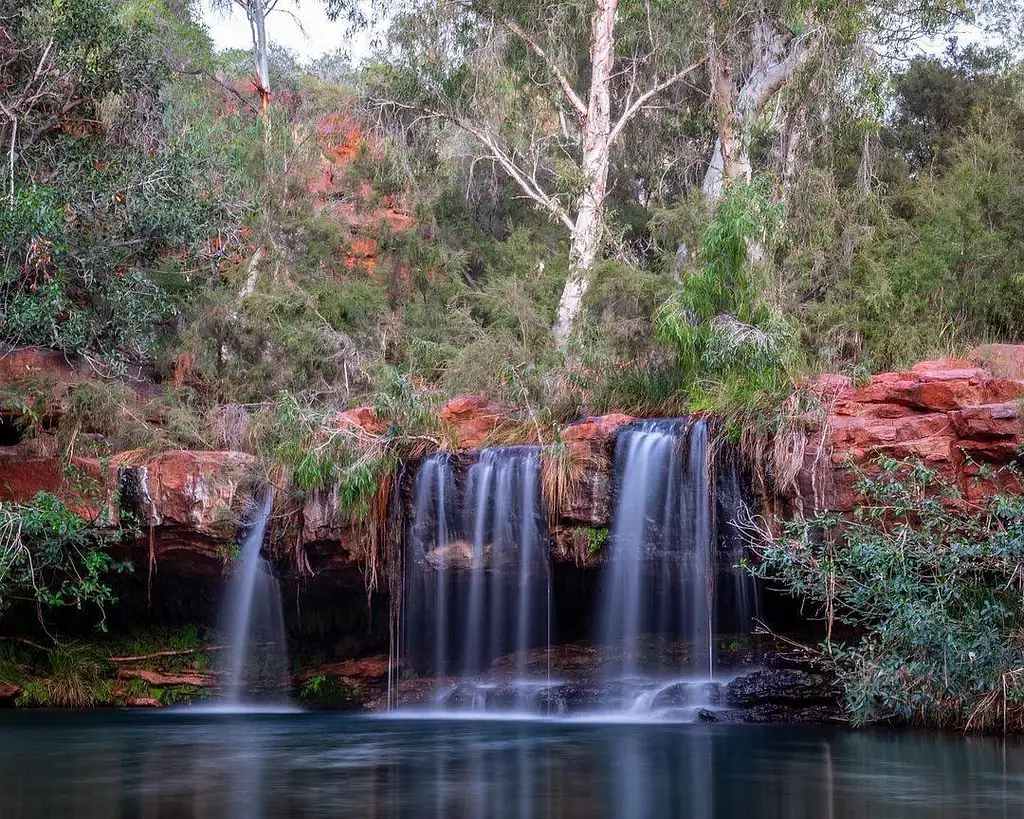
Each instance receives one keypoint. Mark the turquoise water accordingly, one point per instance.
(147, 765)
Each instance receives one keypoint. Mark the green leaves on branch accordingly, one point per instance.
(924, 589)
(52, 558)
(721, 321)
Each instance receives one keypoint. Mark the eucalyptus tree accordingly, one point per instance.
(759, 50)
(256, 12)
(546, 91)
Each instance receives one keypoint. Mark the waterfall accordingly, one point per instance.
(256, 666)
(739, 596)
(659, 579)
(476, 573)
(477, 602)
(432, 548)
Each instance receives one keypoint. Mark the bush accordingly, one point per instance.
(52, 558)
(928, 586)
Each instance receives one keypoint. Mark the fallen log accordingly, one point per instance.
(200, 679)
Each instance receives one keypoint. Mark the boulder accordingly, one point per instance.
(188, 504)
(791, 687)
(8, 692)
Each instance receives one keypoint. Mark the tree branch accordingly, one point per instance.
(634, 108)
(527, 182)
(531, 43)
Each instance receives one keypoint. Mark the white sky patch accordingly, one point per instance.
(302, 28)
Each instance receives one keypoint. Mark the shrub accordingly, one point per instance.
(52, 558)
(927, 586)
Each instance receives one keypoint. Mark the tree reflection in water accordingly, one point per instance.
(166, 766)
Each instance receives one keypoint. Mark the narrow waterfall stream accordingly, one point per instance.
(252, 624)
(659, 578)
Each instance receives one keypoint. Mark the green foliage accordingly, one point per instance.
(53, 558)
(317, 452)
(77, 677)
(719, 320)
(734, 349)
(903, 245)
(924, 589)
(323, 691)
(110, 409)
(596, 539)
(103, 194)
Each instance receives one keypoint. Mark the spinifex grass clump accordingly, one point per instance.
(932, 588)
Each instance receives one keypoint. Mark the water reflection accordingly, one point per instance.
(164, 766)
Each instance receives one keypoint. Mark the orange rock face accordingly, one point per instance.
(353, 201)
(197, 490)
(601, 428)
(591, 444)
(472, 419)
(945, 413)
(189, 502)
(28, 468)
(360, 418)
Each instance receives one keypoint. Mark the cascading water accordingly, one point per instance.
(661, 583)
(477, 596)
(477, 581)
(256, 666)
(433, 548)
(738, 595)
(659, 578)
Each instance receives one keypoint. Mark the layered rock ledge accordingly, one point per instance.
(961, 417)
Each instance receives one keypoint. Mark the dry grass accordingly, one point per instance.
(1001, 709)
(561, 471)
(74, 679)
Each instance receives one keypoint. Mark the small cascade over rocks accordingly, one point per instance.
(673, 512)
(659, 578)
(477, 601)
(252, 624)
(477, 581)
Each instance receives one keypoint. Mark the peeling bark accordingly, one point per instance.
(778, 60)
(596, 143)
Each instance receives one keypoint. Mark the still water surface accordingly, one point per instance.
(122, 765)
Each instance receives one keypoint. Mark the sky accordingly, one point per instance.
(304, 29)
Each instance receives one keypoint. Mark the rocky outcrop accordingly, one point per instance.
(953, 415)
(470, 421)
(960, 417)
(188, 505)
(8, 693)
(366, 214)
(591, 444)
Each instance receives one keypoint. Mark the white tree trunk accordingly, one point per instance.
(588, 230)
(776, 64)
(257, 13)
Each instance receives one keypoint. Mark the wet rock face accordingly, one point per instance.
(591, 445)
(789, 687)
(953, 415)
